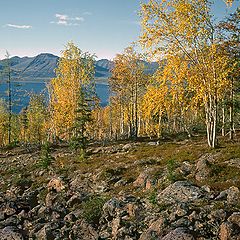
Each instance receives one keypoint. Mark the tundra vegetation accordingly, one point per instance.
(194, 89)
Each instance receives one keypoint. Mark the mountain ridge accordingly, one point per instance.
(42, 67)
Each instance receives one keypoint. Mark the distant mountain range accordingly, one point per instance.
(41, 67)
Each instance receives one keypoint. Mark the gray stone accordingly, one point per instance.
(233, 196)
(10, 233)
(203, 170)
(179, 192)
(179, 234)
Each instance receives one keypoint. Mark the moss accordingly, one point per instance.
(24, 183)
(111, 172)
(92, 209)
(42, 195)
(153, 197)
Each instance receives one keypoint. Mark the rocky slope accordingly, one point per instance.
(172, 190)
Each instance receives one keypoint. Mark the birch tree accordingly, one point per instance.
(185, 28)
(127, 83)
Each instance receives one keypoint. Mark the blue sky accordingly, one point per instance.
(103, 27)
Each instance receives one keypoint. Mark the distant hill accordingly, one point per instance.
(41, 67)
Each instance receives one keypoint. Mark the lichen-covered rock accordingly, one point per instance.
(203, 170)
(45, 233)
(235, 218)
(178, 192)
(233, 196)
(141, 180)
(82, 230)
(55, 184)
(179, 234)
(10, 233)
(155, 230)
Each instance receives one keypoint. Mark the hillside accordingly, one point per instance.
(42, 67)
(142, 190)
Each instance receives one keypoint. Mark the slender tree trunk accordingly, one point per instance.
(231, 112)
(223, 121)
(211, 122)
(110, 121)
(121, 121)
(9, 104)
(160, 125)
(136, 109)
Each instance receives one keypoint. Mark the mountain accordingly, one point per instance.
(41, 67)
(36, 68)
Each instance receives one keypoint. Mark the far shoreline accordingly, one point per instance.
(103, 81)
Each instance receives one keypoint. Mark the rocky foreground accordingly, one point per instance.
(145, 191)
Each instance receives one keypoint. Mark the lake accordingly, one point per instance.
(21, 92)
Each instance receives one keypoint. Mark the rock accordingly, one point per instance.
(82, 230)
(181, 191)
(185, 168)
(178, 234)
(235, 218)
(109, 208)
(70, 218)
(75, 199)
(121, 182)
(203, 170)
(97, 150)
(10, 233)
(233, 196)
(222, 195)
(154, 143)
(143, 180)
(154, 231)
(7, 209)
(55, 184)
(115, 227)
(148, 184)
(225, 231)
(218, 215)
(233, 162)
(127, 147)
(80, 184)
(50, 199)
(46, 233)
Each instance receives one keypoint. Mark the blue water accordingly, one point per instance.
(21, 93)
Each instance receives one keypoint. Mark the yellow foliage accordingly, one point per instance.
(75, 71)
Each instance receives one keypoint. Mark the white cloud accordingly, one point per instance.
(61, 16)
(79, 19)
(87, 13)
(18, 26)
(65, 20)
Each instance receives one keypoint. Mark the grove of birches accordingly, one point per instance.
(195, 90)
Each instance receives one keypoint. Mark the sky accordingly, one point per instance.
(101, 27)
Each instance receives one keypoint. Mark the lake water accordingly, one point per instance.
(21, 90)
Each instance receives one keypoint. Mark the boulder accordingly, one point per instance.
(203, 170)
(180, 192)
(55, 184)
(10, 233)
(45, 233)
(233, 196)
(141, 180)
(83, 230)
(235, 218)
(225, 231)
(155, 230)
(178, 234)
